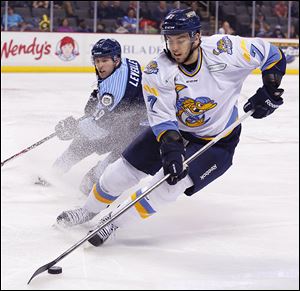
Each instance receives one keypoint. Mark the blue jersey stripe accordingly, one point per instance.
(168, 125)
(273, 57)
(233, 117)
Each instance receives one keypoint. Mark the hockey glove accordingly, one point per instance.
(263, 102)
(90, 107)
(66, 129)
(172, 153)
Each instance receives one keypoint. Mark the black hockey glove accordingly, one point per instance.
(264, 102)
(172, 153)
(90, 107)
(66, 129)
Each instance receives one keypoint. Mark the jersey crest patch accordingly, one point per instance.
(152, 68)
(107, 99)
(224, 45)
(192, 112)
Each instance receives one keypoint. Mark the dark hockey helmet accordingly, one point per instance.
(106, 47)
(180, 21)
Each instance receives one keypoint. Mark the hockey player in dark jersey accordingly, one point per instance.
(113, 113)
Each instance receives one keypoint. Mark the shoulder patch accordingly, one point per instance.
(224, 45)
(152, 68)
(107, 99)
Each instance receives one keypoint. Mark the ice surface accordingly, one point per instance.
(241, 232)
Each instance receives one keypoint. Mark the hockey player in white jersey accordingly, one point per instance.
(191, 91)
(117, 106)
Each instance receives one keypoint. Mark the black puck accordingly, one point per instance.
(55, 270)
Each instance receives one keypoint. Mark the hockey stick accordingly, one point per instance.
(35, 145)
(129, 205)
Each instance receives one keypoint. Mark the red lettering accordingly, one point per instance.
(14, 50)
(39, 51)
(34, 49)
(47, 49)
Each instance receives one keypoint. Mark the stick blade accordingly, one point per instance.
(41, 270)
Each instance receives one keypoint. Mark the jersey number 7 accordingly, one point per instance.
(152, 99)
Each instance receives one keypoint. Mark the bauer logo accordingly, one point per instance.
(67, 49)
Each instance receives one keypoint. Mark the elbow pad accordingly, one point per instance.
(272, 77)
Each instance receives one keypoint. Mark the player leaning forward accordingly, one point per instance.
(191, 90)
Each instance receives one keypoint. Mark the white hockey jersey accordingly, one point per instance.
(203, 102)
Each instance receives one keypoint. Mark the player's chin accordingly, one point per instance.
(103, 75)
(179, 59)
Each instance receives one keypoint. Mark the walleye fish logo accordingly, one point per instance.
(152, 68)
(224, 45)
(192, 112)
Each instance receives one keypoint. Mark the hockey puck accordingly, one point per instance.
(55, 270)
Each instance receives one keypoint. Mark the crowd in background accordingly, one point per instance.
(235, 17)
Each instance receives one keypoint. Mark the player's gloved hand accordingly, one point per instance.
(172, 153)
(90, 107)
(264, 102)
(67, 128)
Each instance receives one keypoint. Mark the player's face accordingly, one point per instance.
(179, 46)
(105, 66)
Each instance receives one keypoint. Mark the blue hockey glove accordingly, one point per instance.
(172, 153)
(66, 129)
(90, 107)
(263, 102)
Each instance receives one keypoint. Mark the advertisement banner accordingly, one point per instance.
(71, 52)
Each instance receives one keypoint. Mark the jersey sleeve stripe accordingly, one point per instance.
(273, 58)
(159, 129)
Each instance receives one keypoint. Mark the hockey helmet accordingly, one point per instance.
(106, 47)
(180, 21)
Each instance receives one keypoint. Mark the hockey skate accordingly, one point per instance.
(74, 217)
(103, 234)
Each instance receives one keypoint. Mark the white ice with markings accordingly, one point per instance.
(240, 232)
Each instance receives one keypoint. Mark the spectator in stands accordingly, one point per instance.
(100, 27)
(129, 21)
(295, 9)
(148, 26)
(83, 27)
(199, 10)
(278, 33)
(64, 27)
(161, 12)
(226, 28)
(281, 10)
(40, 4)
(293, 32)
(14, 20)
(105, 11)
(116, 10)
(132, 4)
(263, 29)
(69, 8)
(44, 24)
